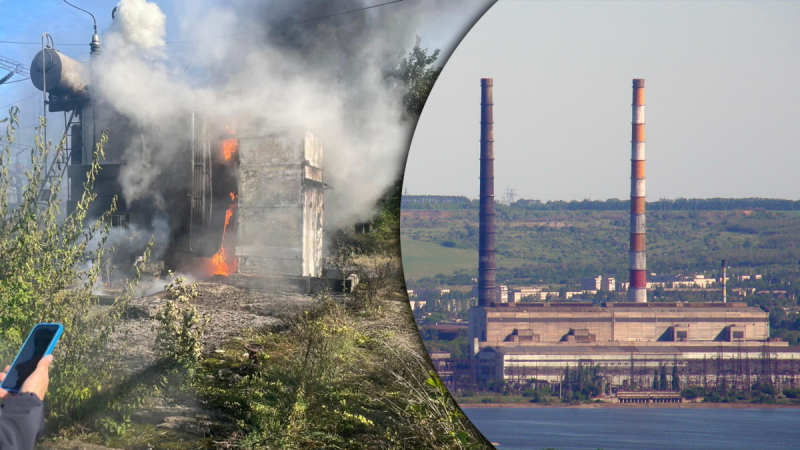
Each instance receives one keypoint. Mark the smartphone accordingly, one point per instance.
(39, 344)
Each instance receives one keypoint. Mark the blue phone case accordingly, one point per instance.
(56, 337)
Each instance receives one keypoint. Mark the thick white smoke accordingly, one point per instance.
(139, 23)
(326, 76)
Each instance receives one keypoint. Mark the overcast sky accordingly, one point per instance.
(722, 101)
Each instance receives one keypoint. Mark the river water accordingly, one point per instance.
(623, 428)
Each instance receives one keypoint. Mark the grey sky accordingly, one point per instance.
(721, 90)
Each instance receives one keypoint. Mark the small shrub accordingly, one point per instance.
(179, 327)
(792, 393)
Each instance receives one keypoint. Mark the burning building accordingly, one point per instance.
(237, 196)
(281, 203)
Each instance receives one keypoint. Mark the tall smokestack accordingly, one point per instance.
(486, 264)
(724, 282)
(637, 291)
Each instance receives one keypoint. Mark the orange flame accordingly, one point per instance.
(229, 147)
(221, 263)
(228, 215)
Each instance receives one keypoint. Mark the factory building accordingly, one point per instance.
(514, 324)
(536, 342)
(632, 365)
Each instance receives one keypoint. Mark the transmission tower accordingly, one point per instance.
(510, 195)
(13, 66)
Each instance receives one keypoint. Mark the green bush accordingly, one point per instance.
(179, 328)
(792, 393)
(49, 265)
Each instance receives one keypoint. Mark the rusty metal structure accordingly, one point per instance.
(637, 290)
(486, 238)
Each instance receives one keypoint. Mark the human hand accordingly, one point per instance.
(38, 381)
(4, 394)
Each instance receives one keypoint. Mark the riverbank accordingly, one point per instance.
(617, 428)
(635, 405)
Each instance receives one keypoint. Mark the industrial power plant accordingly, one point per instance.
(535, 342)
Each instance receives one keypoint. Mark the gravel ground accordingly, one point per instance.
(231, 312)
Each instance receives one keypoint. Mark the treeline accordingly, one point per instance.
(409, 200)
(443, 203)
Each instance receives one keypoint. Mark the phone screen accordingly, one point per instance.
(33, 350)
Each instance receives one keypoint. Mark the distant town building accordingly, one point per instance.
(678, 282)
(598, 283)
(516, 295)
(591, 283)
(502, 294)
(609, 284)
(431, 293)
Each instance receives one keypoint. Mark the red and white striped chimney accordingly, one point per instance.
(637, 291)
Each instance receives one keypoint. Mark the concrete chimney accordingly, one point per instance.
(487, 291)
(724, 282)
(637, 291)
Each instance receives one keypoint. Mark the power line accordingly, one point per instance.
(87, 12)
(293, 23)
(31, 43)
(20, 100)
(236, 34)
(16, 81)
(347, 12)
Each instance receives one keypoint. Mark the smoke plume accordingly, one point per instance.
(293, 64)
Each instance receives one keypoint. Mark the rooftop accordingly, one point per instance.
(654, 307)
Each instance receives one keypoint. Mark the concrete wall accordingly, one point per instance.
(281, 203)
(622, 324)
(476, 328)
